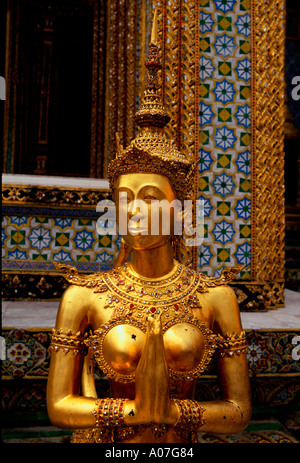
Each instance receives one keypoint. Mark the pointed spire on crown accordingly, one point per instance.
(151, 150)
(152, 112)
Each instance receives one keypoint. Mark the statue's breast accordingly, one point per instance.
(122, 347)
(118, 349)
(184, 347)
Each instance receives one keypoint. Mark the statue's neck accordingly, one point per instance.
(153, 263)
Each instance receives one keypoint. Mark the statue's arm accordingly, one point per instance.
(66, 407)
(232, 412)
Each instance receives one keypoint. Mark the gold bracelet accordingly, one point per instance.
(232, 344)
(190, 417)
(109, 412)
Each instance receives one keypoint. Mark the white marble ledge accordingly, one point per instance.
(42, 314)
(29, 314)
(287, 317)
(46, 180)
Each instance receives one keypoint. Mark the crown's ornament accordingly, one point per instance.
(152, 113)
(151, 151)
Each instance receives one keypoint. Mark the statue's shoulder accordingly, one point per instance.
(95, 281)
(227, 275)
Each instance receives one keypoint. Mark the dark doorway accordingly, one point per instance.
(55, 91)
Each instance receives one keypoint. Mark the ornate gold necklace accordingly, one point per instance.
(132, 296)
(129, 295)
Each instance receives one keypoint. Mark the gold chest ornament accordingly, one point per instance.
(131, 299)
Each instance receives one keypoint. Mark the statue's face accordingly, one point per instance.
(142, 224)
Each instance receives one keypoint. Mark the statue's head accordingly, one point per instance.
(151, 167)
(143, 203)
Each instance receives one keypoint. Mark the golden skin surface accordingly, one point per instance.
(151, 353)
(183, 346)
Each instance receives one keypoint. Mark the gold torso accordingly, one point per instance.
(119, 310)
(130, 300)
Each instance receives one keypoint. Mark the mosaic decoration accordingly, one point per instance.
(225, 124)
(17, 285)
(34, 243)
(26, 354)
(224, 89)
(39, 196)
(34, 234)
(272, 352)
(41, 225)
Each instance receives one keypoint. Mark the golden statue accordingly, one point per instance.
(150, 324)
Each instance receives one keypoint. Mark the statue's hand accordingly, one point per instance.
(152, 399)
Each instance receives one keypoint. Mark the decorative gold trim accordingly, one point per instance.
(121, 51)
(190, 419)
(109, 412)
(98, 90)
(31, 195)
(259, 296)
(267, 150)
(66, 342)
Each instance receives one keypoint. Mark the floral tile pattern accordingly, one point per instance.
(32, 243)
(224, 124)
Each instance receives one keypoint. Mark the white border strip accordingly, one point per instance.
(69, 182)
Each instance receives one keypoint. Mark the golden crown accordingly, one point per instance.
(151, 151)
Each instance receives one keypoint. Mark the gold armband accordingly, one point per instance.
(66, 342)
(232, 344)
(109, 412)
(190, 419)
